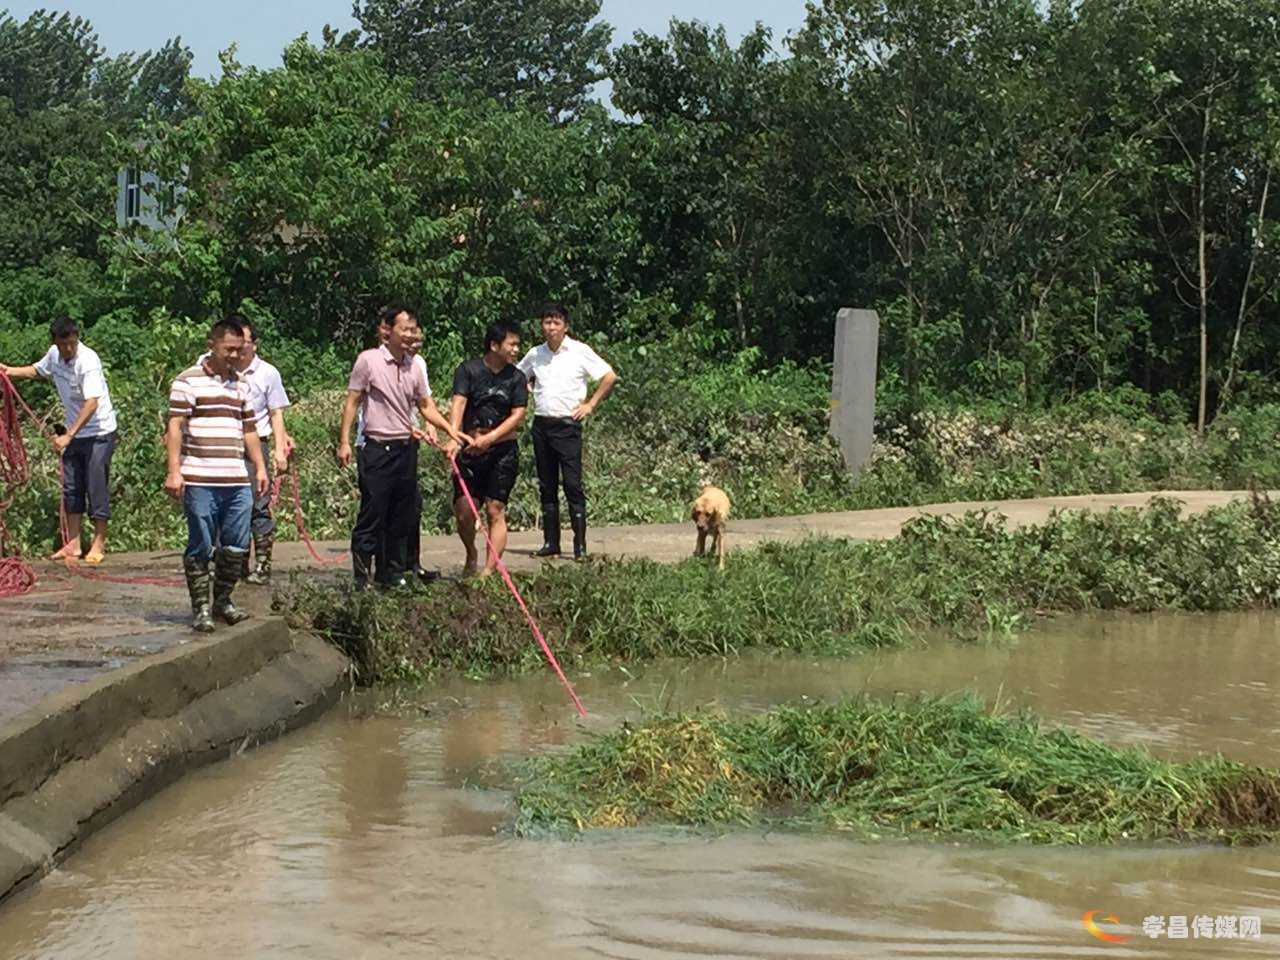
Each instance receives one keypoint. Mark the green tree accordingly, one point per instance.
(321, 190)
(713, 184)
(544, 53)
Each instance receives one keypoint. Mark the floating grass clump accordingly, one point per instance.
(972, 576)
(931, 768)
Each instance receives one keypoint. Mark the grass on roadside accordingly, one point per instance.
(972, 576)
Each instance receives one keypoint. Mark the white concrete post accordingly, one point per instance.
(853, 384)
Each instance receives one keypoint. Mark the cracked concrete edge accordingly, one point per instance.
(76, 722)
(149, 737)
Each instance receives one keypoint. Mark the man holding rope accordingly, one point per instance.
(386, 385)
(89, 440)
(414, 348)
(559, 371)
(211, 441)
(268, 398)
(489, 399)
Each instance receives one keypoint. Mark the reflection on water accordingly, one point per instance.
(367, 838)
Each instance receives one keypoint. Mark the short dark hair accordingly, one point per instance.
(555, 310)
(393, 310)
(245, 324)
(226, 327)
(498, 331)
(63, 327)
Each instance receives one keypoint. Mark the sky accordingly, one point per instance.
(261, 28)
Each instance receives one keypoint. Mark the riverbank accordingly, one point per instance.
(318, 841)
(77, 759)
(106, 696)
(978, 574)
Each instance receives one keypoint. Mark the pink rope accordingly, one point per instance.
(502, 569)
(298, 519)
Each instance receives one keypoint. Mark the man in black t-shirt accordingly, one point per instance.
(489, 396)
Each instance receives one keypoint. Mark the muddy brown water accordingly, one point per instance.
(366, 837)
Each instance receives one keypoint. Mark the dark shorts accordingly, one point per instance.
(86, 475)
(491, 475)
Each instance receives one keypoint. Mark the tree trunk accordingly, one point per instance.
(1234, 363)
(737, 309)
(1204, 276)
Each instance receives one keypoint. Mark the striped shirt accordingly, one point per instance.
(215, 412)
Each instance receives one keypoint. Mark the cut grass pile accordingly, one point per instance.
(926, 767)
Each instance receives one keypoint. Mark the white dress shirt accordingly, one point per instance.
(559, 380)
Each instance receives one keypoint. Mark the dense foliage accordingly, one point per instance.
(1032, 233)
(1027, 229)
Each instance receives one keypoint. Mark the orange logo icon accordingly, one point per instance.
(1101, 934)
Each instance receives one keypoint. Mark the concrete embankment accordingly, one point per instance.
(83, 756)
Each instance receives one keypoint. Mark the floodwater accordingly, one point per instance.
(369, 838)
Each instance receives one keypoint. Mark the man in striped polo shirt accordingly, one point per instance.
(269, 400)
(211, 440)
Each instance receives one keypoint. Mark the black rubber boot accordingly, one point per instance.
(550, 531)
(362, 570)
(262, 547)
(198, 586)
(578, 520)
(226, 572)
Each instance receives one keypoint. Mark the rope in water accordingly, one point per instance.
(502, 569)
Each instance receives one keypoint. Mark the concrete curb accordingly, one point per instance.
(81, 757)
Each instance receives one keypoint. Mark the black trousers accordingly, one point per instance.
(557, 453)
(389, 503)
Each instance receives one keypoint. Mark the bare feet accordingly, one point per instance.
(486, 571)
(95, 555)
(469, 568)
(69, 552)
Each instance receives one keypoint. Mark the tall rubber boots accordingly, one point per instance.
(550, 531)
(227, 567)
(262, 546)
(197, 572)
(578, 520)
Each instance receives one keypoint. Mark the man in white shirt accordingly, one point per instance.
(559, 372)
(269, 400)
(90, 437)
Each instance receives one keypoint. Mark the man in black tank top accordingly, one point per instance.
(489, 396)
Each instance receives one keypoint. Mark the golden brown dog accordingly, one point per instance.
(710, 514)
